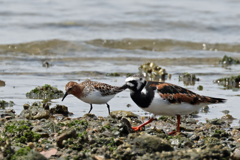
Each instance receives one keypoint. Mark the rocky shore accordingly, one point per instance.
(41, 132)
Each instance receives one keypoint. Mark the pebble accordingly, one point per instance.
(31, 145)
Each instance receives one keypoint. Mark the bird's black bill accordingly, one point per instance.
(65, 95)
(125, 86)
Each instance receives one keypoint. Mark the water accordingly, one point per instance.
(88, 39)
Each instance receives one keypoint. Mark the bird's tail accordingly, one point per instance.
(214, 100)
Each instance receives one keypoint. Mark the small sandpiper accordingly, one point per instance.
(162, 98)
(92, 92)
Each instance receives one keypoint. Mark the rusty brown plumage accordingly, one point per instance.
(177, 94)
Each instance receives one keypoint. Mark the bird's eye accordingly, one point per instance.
(140, 79)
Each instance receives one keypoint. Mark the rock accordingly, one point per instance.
(227, 60)
(36, 111)
(217, 135)
(31, 145)
(49, 153)
(194, 137)
(50, 127)
(152, 71)
(8, 117)
(32, 155)
(45, 92)
(188, 79)
(187, 144)
(46, 106)
(121, 113)
(236, 154)
(152, 143)
(41, 131)
(70, 133)
(15, 148)
(105, 123)
(10, 111)
(228, 117)
(46, 64)
(236, 128)
(26, 106)
(226, 111)
(25, 114)
(38, 149)
(216, 121)
(98, 158)
(205, 109)
(90, 116)
(42, 114)
(175, 142)
(107, 134)
(200, 87)
(2, 83)
(4, 104)
(186, 127)
(125, 128)
(191, 120)
(59, 109)
(116, 133)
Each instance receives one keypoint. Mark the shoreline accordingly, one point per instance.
(48, 133)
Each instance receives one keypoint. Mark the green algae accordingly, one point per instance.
(188, 79)
(200, 87)
(2, 83)
(229, 82)
(229, 79)
(21, 131)
(226, 60)
(115, 74)
(77, 123)
(45, 92)
(4, 104)
(20, 152)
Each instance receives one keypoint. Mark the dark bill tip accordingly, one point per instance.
(65, 95)
(125, 86)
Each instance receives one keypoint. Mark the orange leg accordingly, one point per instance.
(178, 126)
(140, 126)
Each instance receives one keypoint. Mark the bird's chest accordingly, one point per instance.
(95, 97)
(144, 98)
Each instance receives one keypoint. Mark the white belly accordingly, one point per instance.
(163, 107)
(95, 97)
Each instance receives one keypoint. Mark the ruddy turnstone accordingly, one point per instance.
(92, 92)
(162, 98)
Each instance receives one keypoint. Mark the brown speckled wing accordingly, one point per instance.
(177, 94)
(106, 89)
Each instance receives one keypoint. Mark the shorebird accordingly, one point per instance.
(92, 92)
(162, 98)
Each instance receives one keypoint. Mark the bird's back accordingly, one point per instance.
(162, 98)
(176, 94)
(97, 92)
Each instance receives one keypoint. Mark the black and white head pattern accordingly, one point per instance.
(135, 83)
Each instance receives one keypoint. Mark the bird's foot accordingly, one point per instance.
(138, 128)
(173, 133)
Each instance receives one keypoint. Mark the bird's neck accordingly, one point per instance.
(143, 98)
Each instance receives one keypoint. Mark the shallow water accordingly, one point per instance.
(90, 39)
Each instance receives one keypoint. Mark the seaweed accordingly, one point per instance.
(188, 79)
(45, 92)
(153, 72)
(228, 60)
(4, 104)
(229, 82)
